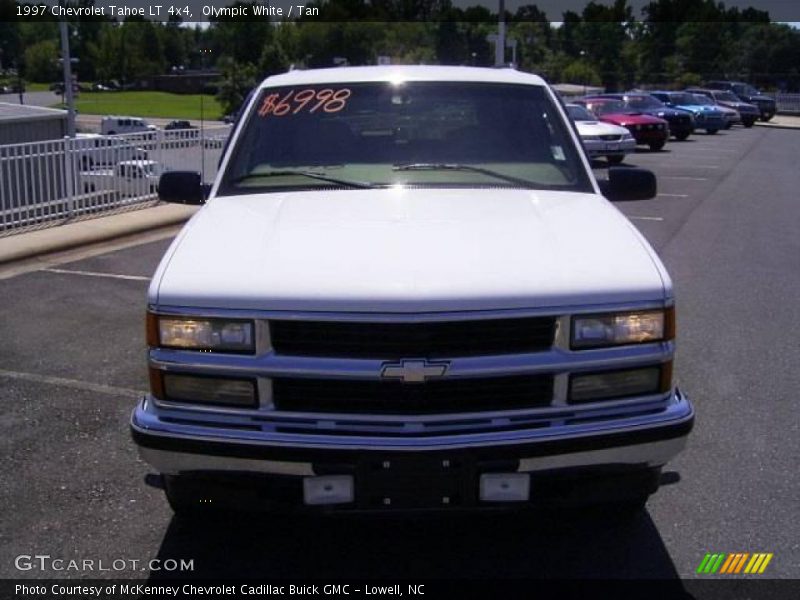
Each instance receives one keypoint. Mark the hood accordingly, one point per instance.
(408, 250)
(664, 113)
(599, 128)
(631, 118)
(742, 106)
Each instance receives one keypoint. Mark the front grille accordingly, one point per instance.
(394, 397)
(611, 138)
(438, 339)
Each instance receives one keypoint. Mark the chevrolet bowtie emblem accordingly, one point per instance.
(413, 371)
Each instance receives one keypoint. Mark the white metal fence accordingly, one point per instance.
(43, 183)
(787, 103)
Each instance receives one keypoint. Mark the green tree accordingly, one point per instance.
(581, 72)
(41, 61)
(236, 82)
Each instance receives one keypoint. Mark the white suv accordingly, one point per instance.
(406, 290)
(117, 125)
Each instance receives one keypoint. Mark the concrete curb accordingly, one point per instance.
(781, 122)
(91, 231)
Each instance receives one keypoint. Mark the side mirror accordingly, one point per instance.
(182, 187)
(629, 184)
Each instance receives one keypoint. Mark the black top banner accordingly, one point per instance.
(327, 10)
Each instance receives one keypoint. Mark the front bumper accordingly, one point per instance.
(609, 148)
(649, 136)
(612, 447)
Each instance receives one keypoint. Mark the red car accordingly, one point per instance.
(646, 129)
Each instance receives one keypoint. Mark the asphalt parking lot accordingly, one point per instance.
(725, 222)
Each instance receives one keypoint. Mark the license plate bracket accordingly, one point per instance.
(392, 482)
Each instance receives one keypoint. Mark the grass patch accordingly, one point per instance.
(148, 104)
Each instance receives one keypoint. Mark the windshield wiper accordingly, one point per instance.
(309, 174)
(460, 167)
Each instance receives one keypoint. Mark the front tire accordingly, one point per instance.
(682, 135)
(749, 123)
(615, 160)
(656, 146)
(766, 118)
(711, 131)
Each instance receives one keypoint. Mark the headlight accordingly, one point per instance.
(210, 335)
(627, 136)
(614, 329)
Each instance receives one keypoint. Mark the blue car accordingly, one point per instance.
(705, 116)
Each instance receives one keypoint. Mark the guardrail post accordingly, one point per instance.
(160, 147)
(69, 173)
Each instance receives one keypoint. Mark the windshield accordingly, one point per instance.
(607, 107)
(726, 97)
(704, 100)
(644, 102)
(579, 113)
(378, 134)
(745, 90)
(683, 99)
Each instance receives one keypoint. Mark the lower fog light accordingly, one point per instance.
(330, 489)
(505, 487)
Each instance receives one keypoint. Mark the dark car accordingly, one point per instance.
(747, 93)
(680, 122)
(705, 117)
(750, 113)
(172, 125)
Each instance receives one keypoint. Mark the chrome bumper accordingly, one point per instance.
(173, 445)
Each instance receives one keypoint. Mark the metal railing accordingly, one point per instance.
(787, 103)
(45, 183)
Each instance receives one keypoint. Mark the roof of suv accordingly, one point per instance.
(402, 73)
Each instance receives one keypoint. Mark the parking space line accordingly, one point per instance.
(685, 178)
(96, 274)
(674, 195)
(72, 383)
(646, 218)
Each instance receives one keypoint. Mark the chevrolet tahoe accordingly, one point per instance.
(406, 290)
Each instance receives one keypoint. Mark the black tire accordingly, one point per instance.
(615, 160)
(711, 131)
(682, 135)
(728, 125)
(766, 118)
(112, 133)
(749, 123)
(656, 146)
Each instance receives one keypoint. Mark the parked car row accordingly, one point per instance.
(612, 125)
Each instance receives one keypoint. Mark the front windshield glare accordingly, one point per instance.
(579, 113)
(684, 99)
(430, 134)
(644, 102)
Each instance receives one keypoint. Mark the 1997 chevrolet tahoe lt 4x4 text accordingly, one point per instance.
(407, 291)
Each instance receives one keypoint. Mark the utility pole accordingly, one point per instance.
(500, 45)
(66, 62)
